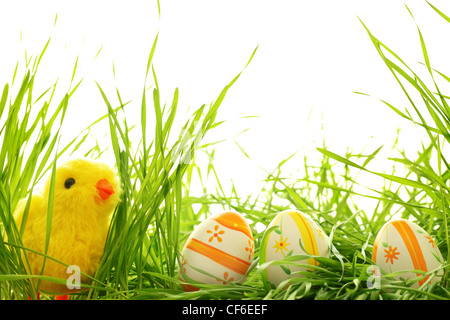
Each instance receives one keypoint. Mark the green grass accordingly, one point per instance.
(159, 210)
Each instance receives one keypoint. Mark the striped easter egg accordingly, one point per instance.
(402, 245)
(219, 251)
(296, 234)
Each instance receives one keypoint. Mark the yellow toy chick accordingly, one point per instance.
(86, 194)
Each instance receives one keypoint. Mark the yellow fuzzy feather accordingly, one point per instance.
(83, 205)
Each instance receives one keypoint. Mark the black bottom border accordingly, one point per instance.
(222, 309)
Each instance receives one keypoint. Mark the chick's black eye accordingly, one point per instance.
(69, 182)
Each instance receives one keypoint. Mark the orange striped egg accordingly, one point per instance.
(402, 245)
(297, 233)
(219, 251)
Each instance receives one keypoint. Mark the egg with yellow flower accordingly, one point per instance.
(291, 233)
(218, 251)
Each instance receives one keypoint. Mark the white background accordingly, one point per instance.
(312, 56)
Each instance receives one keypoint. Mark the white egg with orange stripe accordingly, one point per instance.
(295, 234)
(219, 251)
(402, 245)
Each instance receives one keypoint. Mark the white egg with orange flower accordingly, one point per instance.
(402, 245)
(218, 251)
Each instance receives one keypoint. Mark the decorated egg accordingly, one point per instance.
(219, 251)
(295, 234)
(402, 245)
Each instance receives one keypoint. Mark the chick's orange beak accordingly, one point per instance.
(104, 189)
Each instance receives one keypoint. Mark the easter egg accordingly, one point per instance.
(218, 251)
(296, 234)
(402, 245)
